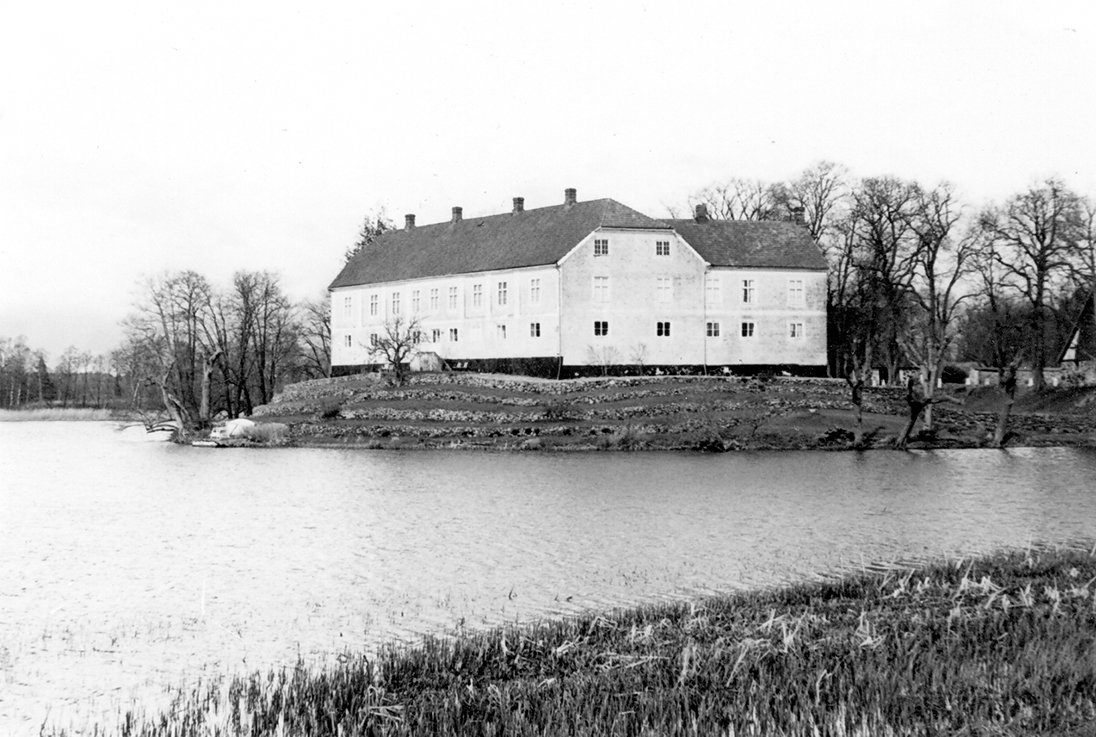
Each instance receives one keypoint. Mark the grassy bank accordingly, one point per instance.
(999, 645)
(68, 414)
(458, 410)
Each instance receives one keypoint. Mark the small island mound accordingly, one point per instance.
(706, 413)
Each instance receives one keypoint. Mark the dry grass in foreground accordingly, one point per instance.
(999, 645)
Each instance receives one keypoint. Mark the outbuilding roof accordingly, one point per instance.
(745, 243)
(536, 237)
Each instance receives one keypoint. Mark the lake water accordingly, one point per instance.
(126, 566)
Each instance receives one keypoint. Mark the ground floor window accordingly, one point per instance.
(452, 335)
(348, 341)
(500, 331)
(373, 339)
(713, 330)
(747, 329)
(601, 327)
(435, 335)
(534, 330)
(662, 329)
(795, 330)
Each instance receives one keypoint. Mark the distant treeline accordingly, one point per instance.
(186, 341)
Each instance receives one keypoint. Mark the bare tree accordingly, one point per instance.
(819, 193)
(940, 264)
(639, 357)
(166, 325)
(741, 199)
(882, 226)
(1037, 234)
(396, 345)
(917, 405)
(315, 335)
(604, 357)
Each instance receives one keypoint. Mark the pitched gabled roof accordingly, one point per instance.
(530, 238)
(765, 244)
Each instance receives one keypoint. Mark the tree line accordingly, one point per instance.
(191, 348)
(919, 278)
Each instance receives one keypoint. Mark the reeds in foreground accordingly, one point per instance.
(998, 645)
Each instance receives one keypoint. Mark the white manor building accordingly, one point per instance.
(557, 290)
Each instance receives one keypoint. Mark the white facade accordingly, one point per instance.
(621, 296)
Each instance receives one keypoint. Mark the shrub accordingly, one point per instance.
(627, 437)
(268, 433)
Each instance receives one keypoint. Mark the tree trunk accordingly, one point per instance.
(207, 380)
(855, 380)
(1009, 385)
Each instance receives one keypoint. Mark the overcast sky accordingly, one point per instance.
(224, 136)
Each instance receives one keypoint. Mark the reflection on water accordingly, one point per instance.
(126, 566)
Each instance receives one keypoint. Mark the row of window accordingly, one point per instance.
(601, 247)
(664, 294)
(601, 328)
(664, 291)
(712, 329)
(502, 292)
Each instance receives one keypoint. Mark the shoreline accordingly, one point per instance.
(666, 413)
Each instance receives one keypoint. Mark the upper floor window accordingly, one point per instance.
(664, 289)
(502, 293)
(395, 303)
(415, 301)
(601, 327)
(433, 299)
(374, 303)
(601, 246)
(795, 292)
(748, 291)
(662, 248)
(452, 298)
(713, 291)
(795, 330)
(747, 329)
(477, 295)
(662, 329)
(348, 306)
(534, 291)
(601, 289)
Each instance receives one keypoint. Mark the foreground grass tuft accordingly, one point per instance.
(998, 645)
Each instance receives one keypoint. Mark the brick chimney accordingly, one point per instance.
(570, 197)
(409, 221)
(458, 214)
(519, 205)
(701, 215)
